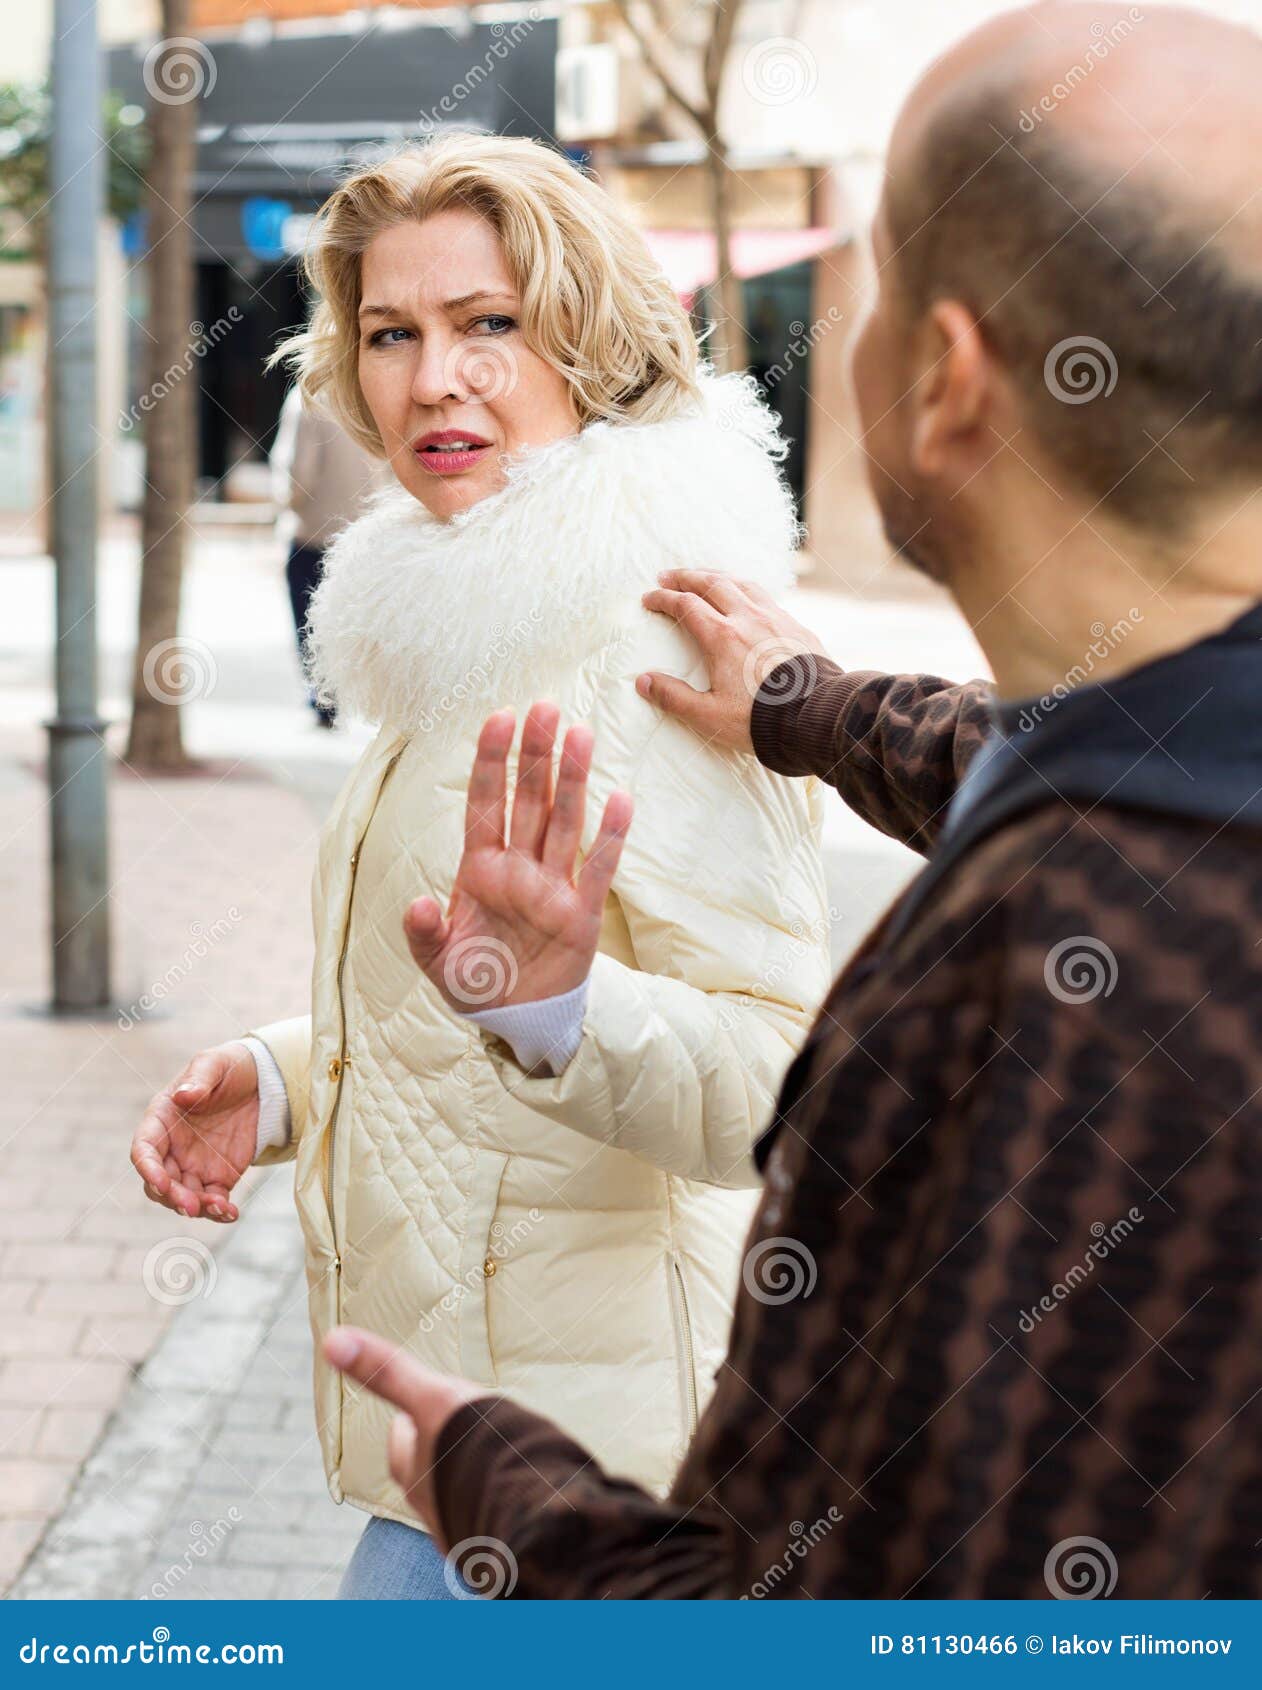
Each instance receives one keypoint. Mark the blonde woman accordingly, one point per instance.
(490, 324)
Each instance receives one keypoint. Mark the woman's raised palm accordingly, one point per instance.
(521, 925)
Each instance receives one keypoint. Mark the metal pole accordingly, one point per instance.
(76, 748)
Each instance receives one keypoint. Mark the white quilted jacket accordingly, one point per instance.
(575, 1242)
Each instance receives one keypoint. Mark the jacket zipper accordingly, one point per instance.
(343, 1060)
(685, 1322)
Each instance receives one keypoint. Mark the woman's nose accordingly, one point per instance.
(436, 372)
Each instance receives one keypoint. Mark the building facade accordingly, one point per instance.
(293, 92)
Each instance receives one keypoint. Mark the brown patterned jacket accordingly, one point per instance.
(1001, 1325)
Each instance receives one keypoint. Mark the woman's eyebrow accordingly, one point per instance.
(448, 304)
(472, 298)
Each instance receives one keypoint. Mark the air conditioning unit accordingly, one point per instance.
(589, 91)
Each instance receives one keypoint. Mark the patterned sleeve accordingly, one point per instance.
(507, 1476)
(894, 746)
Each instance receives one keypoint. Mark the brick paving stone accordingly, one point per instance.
(117, 1336)
(100, 1296)
(16, 1295)
(38, 1334)
(20, 1431)
(227, 1584)
(69, 1433)
(68, 1262)
(17, 1539)
(22, 1223)
(258, 1413)
(288, 1551)
(33, 1489)
(43, 1382)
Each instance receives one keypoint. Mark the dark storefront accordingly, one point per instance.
(281, 120)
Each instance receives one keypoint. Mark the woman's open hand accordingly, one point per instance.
(198, 1136)
(521, 925)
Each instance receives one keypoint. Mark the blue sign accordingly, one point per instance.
(263, 223)
(134, 235)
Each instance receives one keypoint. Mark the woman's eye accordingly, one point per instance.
(495, 325)
(379, 338)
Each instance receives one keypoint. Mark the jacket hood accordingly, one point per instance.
(1180, 736)
(417, 618)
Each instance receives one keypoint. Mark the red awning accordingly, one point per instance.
(687, 255)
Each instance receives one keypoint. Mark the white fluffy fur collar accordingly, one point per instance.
(490, 605)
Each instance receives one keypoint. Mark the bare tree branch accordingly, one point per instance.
(728, 344)
(717, 50)
(673, 89)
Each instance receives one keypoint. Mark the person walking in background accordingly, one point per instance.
(1000, 1331)
(321, 480)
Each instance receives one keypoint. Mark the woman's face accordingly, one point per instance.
(443, 366)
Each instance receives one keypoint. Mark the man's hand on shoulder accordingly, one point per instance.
(743, 634)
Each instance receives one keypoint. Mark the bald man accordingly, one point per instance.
(1001, 1325)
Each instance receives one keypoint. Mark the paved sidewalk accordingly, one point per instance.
(210, 916)
(208, 1483)
(215, 939)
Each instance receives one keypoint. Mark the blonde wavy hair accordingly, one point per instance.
(594, 302)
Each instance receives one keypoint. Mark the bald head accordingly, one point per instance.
(1085, 178)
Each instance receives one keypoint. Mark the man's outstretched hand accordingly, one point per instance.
(521, 924)
(743, 634)
(427, 1400)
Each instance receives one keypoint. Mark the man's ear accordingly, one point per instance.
(953, 393)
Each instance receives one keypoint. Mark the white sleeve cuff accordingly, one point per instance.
(273, 1129)
(544, 1034)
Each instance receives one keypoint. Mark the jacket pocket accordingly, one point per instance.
(683, 1341)
(483, 1257)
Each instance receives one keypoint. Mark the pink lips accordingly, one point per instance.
(447, 462)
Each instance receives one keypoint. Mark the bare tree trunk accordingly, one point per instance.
(170, 421)
(732, 353)
(727, 346)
